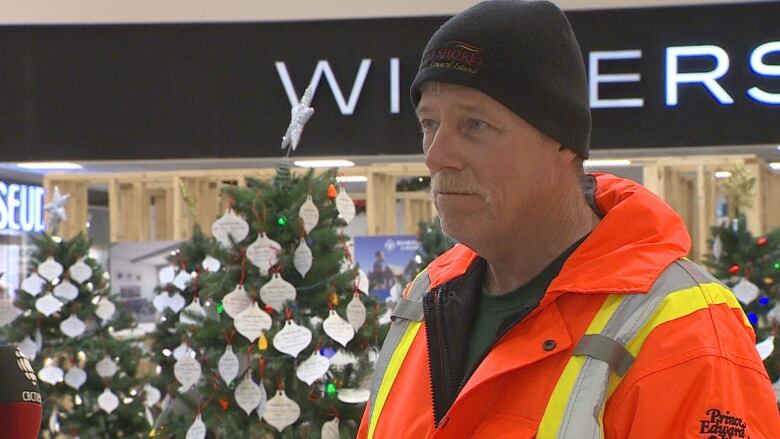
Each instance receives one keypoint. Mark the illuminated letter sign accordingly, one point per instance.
(21, 208)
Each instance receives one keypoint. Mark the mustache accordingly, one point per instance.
(454, 182)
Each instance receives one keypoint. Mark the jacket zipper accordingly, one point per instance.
(433, 330)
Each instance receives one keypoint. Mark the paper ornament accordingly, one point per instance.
(151, 395)
(80, 271)
(105, 309)
(106, 367)
(251, 322)
(187, 371)
(774, 315)
(263, 253)
(33, 284)
(276, 292)
(717, 248)
(356, 313)
(745, 291)
(160, 302)
(108, 401)
(338, 329)
(262, 406)
(50, 374)
(28, 347)
(345, 206)
(282, 411)
(66, 291)
(72, 326)
(167, 275)
(766, 347)
(229, 225)
(76, 377)
(292, 339)
(362, 282)
(192, 313)
(50, 269)
(211, 264)
(176, 302)
(228, 365)
(313, 368)
(197, 430)
(247, 394)
(309, 214)
(330, 429)
(48, 305)
(181, 350)
(236, 301)
(354, 396)
(182, 279)
(342, 358)
(8, 312)
(302, 259)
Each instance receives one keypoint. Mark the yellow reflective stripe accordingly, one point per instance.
(390, 374)
(553, 415)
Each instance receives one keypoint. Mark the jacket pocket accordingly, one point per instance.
(502, 425)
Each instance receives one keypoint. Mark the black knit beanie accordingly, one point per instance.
(522, 54)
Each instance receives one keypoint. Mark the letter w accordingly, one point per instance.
(323, 67)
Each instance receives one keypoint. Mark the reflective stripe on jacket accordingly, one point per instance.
(556, 372)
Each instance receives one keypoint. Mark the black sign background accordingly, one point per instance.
(93, 92)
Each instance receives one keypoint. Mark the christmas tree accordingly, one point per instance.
(750, 266)
(65, 325)
(433, 241)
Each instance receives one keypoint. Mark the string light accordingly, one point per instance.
(763, 300)
(753, 318)
(282, 221)
(220, 308)
(330, 389)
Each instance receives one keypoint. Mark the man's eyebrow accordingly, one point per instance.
(467, 107)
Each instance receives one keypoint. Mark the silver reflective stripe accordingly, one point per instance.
(607, 350)
(581, 418)
(408, 309)
(397, 330)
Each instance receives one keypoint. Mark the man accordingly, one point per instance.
(559, 316)
(20, 402)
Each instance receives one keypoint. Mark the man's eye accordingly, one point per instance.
(478, 124)
(428, 125)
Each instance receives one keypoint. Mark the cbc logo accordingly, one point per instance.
(26, 368)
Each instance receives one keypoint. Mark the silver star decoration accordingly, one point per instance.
(299, 115)
(56, 208)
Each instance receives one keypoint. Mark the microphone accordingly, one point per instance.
(20, 401)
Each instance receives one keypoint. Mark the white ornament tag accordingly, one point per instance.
(182, 349)
(105, 309)
(33, 284)
(48, 305)
(160, 302)
(330, 429)
(228, 225)
(106, 367)
(774, 315)
(176, 302)
(66, 291)
(167, 275)
(338, 329)
(282, 411)
(8, 312)
(248, 394)
(717, 248)
(354, 396)
(50, 269)
(192, 314)
(362, 281)
(263, 253)
(211, 264)
(276, 292)
(252, 321)
(745, 291)
(766, 347)
(302, 258)
(72, 326)
(108, 401)
(236, 301)
(197, 430)
(356, 312)
(292, 339)
(28, 348)
(76, 377)
(313, 368)
(187, 372)
(50, 374)
(80, 271)
(228, 365)
(309, 214)
(345, 206)
(262, 406)
(151, 395)
(181, 280)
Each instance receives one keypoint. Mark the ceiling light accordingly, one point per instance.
(606, 163)
(775, 166)
(352, 179)
(722, 174)
(48, 166)
(324, 163)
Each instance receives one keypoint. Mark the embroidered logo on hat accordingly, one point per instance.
(26, 367)
(456, 55)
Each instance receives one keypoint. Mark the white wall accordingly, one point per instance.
(151, 11)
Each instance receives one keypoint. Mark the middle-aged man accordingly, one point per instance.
(559, 315)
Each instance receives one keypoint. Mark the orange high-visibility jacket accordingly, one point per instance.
(697, 375)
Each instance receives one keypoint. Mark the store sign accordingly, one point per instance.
(658, 77)
(21, 208)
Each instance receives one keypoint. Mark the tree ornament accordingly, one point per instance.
(197, 430)
(224, 404)
(182, 279)
(48, 305)
(345, 206)
(262, 406)
(330, 389)
(766, 347)
(768, 281)
(263, 253)
(338, 329)
(108, 401)
(228, 365)
(309, 214)
(762, 241)
(220, 308)
(33, 284)
(106, 368)
(262, 342)
(330, 429)
(66, 291)
(236, 301)
(50, 269)
(151, 395)
(105, 309)
(251, 322)
(50, 374)
(80, 271)
(229, 226)
(362, 281)
(313, 368)
(211, 264)
(28, 347)
(332, 193)
(282, 411)
(302, 258)
(56, 209)
(187, 371)
(300, 113)
(292, 339)
(717, 248)
(167, 275)
(247, 393)
(356, 312)
(333, 298)
(72, 326)
(746, 291)
(354, 396)
(276, 292)
(76, 377)
(734, 269)
(196, 311)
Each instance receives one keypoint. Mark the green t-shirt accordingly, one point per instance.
(493, 309)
